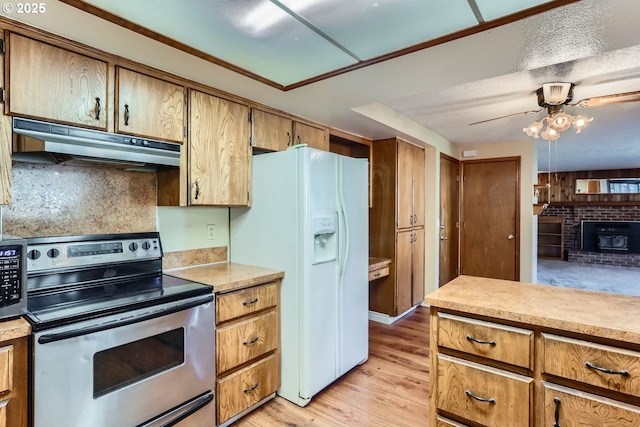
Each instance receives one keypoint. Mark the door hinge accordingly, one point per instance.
(3, 96)
(250, 141)
(457, 177)
(250, 117)
(457, 224)
(2, 47)
(248, 197)
(185, 131)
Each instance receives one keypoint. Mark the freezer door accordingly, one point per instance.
(353, 260)
(318, 316)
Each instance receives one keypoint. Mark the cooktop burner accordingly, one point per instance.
(75, 278)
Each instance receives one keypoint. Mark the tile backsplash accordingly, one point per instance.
(53, 200)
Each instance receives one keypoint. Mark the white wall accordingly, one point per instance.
(526, 150)
(186, 228)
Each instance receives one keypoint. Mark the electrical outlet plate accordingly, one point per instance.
(211, 231)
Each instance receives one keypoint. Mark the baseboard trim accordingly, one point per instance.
(385, 318)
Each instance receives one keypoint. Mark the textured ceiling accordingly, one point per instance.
(428, 95)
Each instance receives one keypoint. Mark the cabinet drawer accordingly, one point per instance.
(376, 274)
(580, 409)
(247, 387)
(6, 368)
(443, 422)
(246, 340)
(246, 301)
(491, 340)
(584, 361)
(459, 381)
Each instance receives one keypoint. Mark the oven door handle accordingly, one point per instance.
(177, 415)
(49, 338)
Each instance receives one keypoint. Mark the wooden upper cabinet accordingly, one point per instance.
(219, 151)
(149, 107)
(313, 136)
(51, 83)
(270, 131)
(411, 186)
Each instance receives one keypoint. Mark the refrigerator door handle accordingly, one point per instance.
(345, 254)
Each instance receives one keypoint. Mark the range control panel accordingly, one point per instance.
(53, 255)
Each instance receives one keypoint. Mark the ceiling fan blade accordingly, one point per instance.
(508, 115)
(617, 98)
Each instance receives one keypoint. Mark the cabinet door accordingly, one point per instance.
(312, 136)
(418, 186)
(405, 185)
(149, 107)
(417, 266)
(219, 151)
(270, 131)
(51, 83)
(404, 289)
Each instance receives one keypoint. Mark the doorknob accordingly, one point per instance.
(510, 237)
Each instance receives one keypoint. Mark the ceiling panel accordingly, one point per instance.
(493, 9)
(370, 28)
(255, 35)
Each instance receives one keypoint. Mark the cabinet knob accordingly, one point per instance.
(510, 237)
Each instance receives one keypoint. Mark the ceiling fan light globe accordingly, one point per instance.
(550, 134)
(560, 122)
(533, 129)
(581, 122)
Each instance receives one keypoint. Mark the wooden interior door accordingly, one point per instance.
(490, 211)
(449, 217)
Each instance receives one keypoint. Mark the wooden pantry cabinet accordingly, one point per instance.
(51, 83)
(149, 107)
(247, 348)
(515, 354)
(219, 151)
(396, 225)
(273, 132)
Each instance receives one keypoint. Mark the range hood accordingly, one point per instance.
(42, 142)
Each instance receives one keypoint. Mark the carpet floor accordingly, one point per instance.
(604, 278)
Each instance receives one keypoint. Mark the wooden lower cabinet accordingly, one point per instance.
(247, 348)
(13, 382)
(494, 372)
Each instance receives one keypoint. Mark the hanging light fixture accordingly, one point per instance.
(554, 96)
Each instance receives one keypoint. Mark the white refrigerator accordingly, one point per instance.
(309, 218)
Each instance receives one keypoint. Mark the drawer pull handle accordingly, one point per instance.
(250, 389)
(253, 301)
(470, 338)
(556, 413)
(623, 372)
(252, 341)
(480, 399)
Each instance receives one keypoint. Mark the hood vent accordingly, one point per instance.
(42, 142)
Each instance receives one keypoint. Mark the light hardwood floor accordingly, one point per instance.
(391, 389)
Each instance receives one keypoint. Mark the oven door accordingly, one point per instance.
(148, 367)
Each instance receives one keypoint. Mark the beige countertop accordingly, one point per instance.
(378, 263)
(606, 315)
(226, 276)
(12, 329)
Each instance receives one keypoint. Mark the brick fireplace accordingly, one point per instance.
(600, 234)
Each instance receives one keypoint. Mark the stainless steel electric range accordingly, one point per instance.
(117, 343)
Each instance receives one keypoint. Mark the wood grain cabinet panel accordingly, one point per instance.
(270, 131)
(486, 339)
(443, 422)
(219, 151)
(248, 339)
(51, 83)
(247, 348)
(246, 301)
(396, 225)
(6, 368)
(594, 364)
(314, 137)
(247, 387)
(149, 107)
(567, 407)
(488, 396)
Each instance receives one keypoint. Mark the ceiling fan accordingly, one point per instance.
(554, 96)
